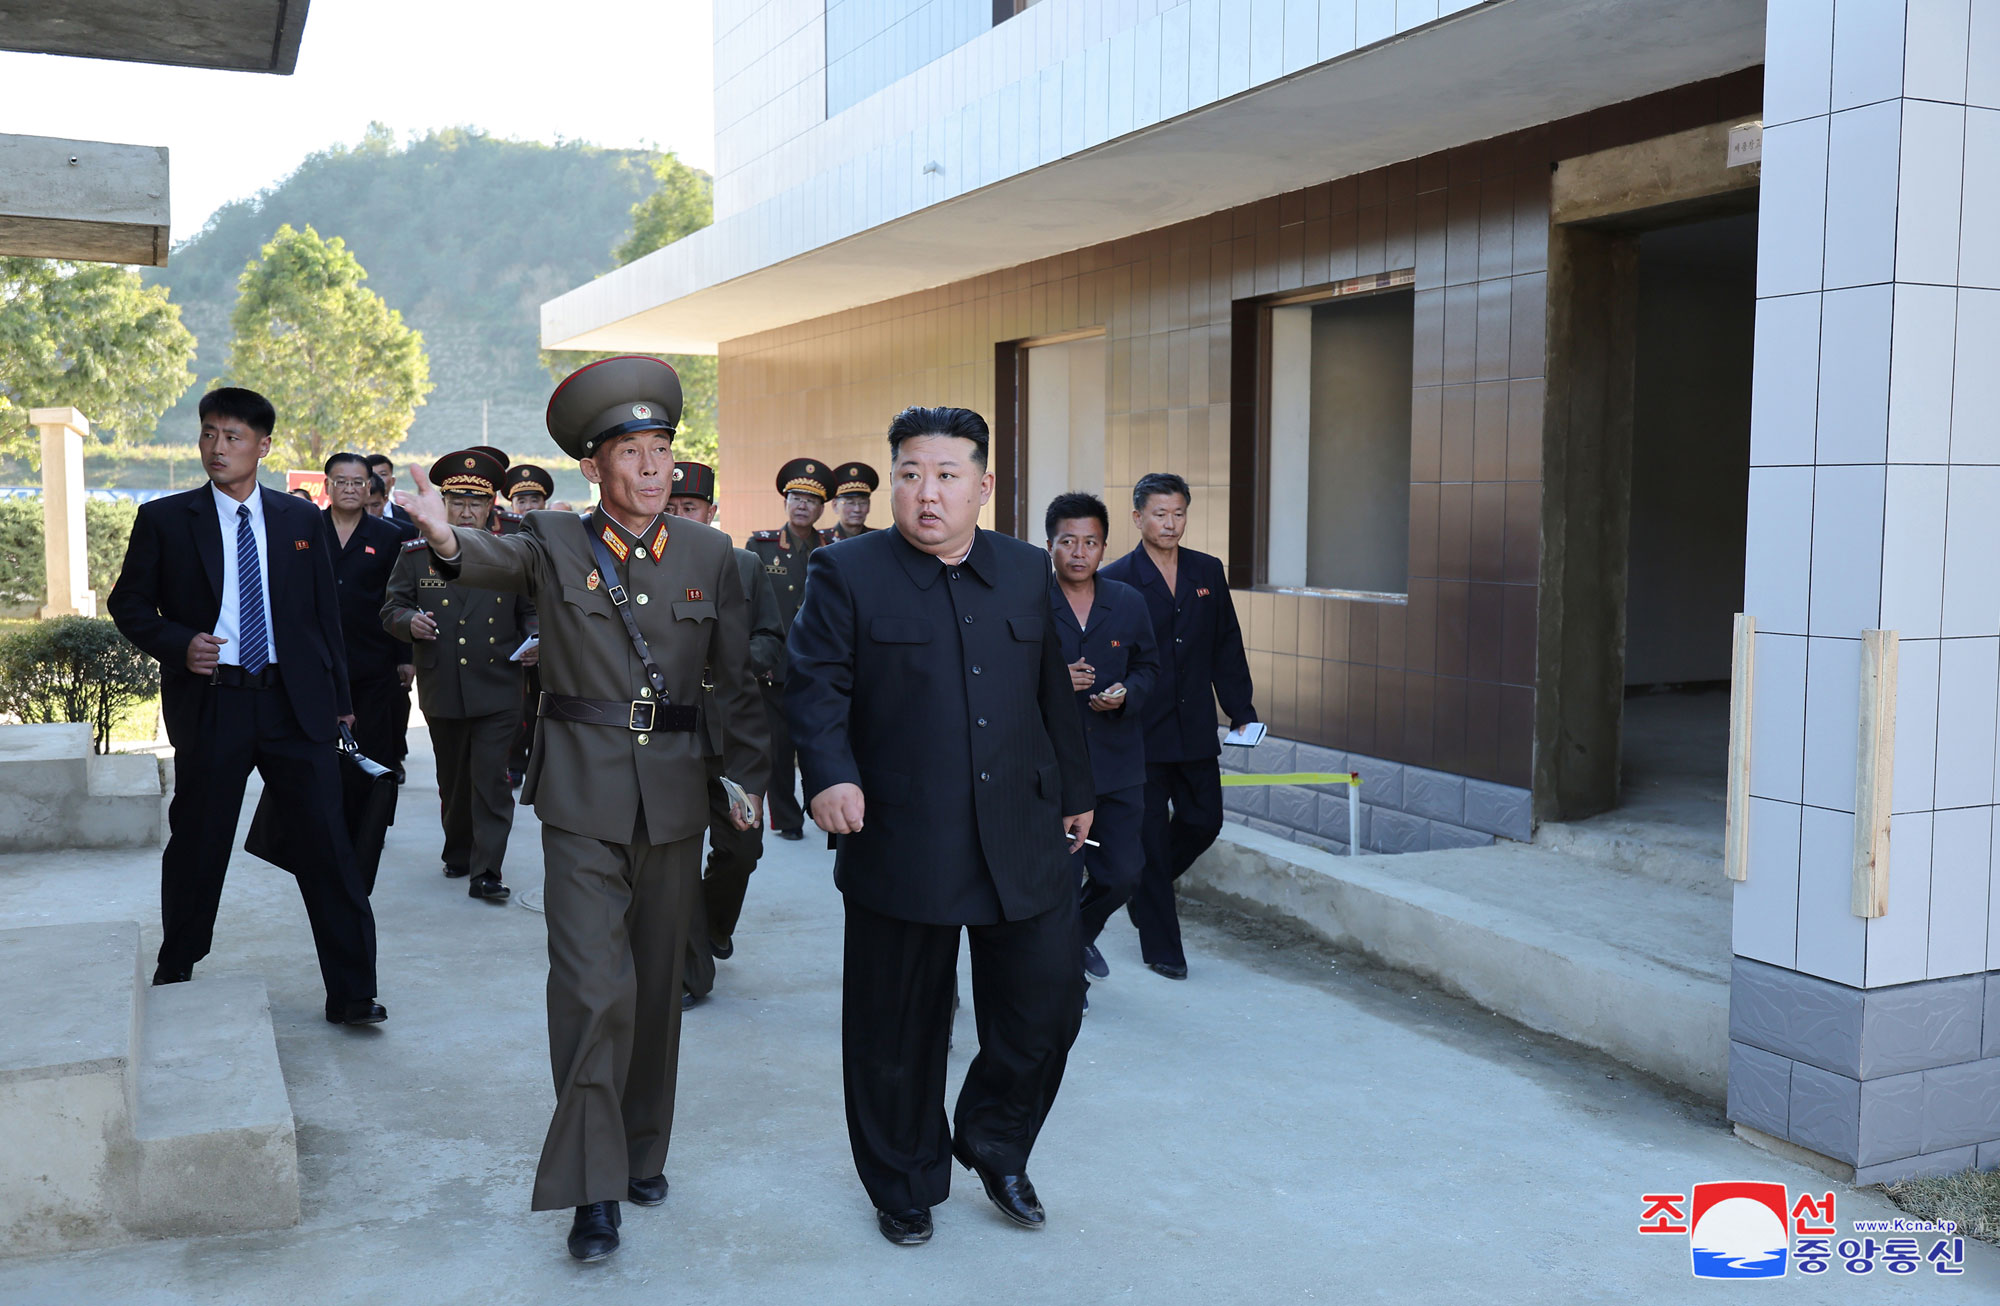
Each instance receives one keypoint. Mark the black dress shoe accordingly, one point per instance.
(647, 1192)
(911, 1228)
(593, 1234)
(365, 1012)
(1012, 1193)
(1094, 964)
(1168, 969)
(793, 835)
(721, 949)
(165, 974)
(456, 872)
(488, 886)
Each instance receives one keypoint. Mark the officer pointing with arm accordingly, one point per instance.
(633, 605)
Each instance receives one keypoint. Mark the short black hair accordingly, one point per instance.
(380, 460)
(344, 456)
(1153, 483)
(246, 406)
(963, 423)
(302, 492)
(1072, 506)
(376, 485)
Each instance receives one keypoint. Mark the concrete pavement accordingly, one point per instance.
(1289, 1124)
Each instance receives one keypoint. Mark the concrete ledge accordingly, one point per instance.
(1624, 964)
(55, 793)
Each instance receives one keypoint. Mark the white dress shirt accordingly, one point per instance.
(231, 653)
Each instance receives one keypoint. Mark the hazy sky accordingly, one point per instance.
(612, 72)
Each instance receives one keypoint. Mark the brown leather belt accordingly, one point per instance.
(637, 715)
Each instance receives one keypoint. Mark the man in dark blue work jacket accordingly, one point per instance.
(1114, 660)
(1201, 663)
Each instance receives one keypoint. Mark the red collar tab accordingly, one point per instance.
(659, 539)
(615, 542)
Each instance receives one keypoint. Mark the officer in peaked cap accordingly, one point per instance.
(853, 486)
(635, 606)
(806, 484)
(732, 853)
(527, 488)
(468, 682)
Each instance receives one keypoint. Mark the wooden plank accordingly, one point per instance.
(1874, 772)
(1736, 835)
(1742, 683)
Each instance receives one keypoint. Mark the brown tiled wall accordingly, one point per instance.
(1446, 680)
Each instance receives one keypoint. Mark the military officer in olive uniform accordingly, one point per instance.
(467, 683)
(527, 488)
(732, 853)
(806, 486)
(635, 606)
(854, 486)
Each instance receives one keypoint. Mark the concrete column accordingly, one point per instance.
(63, 431)
(1875, 504)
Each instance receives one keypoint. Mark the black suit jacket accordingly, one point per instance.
(944, 696)
(1118, 643)
(361, 575)
(1201, 654)
(170, 590)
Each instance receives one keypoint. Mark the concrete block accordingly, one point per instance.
(1333, 819)
(1795, 1015)
(1311, 757)
(1910, 1167)
(1989, 1045)
(1452, 836)
(1961, 1104)
(1250, 800)
(1270, 827)
(1760, 1088)
(1381, 782)
(1825, 1112)
(1918, 1026)
(1989, 1156)
(1400, 832)
(1892, 1119)
(1434, 794)
(1295, 807)
(1274, 756)
(1499, 809)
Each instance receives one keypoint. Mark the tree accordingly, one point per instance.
(88, 336)
(683, 203)
(338, 363)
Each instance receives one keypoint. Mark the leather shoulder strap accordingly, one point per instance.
(607, 567)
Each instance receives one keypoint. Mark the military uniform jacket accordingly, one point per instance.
(1201, 654)
(784, 557)
(602, 781)
(767, 645)
(467, 670)
(941, 691)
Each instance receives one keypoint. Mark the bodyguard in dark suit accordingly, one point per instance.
(940, 743)
(1201, 663)
(365, 554)
(245, 622)
(1108, 642)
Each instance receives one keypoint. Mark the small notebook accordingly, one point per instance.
(1248, 737)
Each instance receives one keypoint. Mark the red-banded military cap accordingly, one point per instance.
(612, 398)
(497, 455)
(523, 476)
(469, 471)
(854, 478)
(805, 476)
(695, 480)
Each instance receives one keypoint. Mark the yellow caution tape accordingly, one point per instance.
(1295, 778)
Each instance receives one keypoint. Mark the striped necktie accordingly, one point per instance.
(250, 627)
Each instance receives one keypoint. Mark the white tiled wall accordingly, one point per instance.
(1875, 479)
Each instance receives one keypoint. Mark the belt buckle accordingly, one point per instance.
(632, 721)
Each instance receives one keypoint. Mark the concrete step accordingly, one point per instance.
(123, 806)
(1632, 966)
(56, 793)
(217, 1149)
(1687, 856)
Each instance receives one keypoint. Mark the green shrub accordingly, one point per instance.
(74, 669)
(107, 526)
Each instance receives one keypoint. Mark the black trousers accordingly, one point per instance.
(783, 798)
(239, 729)
(732, 855)
(895, 1032)
(477, 804)
(1119, 859)
(381, 714)
(1193, 792)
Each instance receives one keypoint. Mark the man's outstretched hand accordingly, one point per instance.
(426, 509)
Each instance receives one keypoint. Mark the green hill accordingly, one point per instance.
(464, 233)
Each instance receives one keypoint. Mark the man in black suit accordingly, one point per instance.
(366, 549)
(1108, 642)
(231, 587)
(1201, 663)
(383, 466)
(941, 746)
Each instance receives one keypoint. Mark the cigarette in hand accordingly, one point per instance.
(1088, 843)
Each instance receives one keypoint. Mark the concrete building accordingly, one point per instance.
(1513, 349)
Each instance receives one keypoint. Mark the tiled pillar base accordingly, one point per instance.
(1895, 1081)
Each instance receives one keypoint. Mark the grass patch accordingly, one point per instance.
(1970, 1199)
(137, 725)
